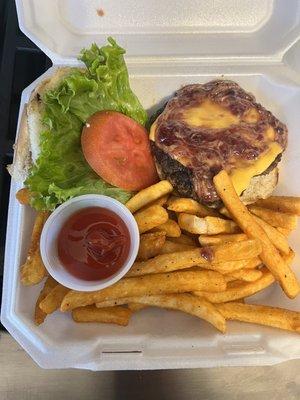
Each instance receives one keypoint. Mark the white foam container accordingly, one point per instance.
(169, 43)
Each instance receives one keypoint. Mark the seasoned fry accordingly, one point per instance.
(199, 256)
(134, 307)
(150, 245)
(206, 225)
(230, 266)
(184, 239)
(39, 315)
(162, 201)
(23, 196)
(262, 315)
(277, 238)
(148, 195)
(110, 315)
(240, 290)
(190, 206)
(285, 204)
(34, 271)
(270, 255)
(171, 247)
(275, 218)
(171, 228)
(187, 303)
(246, 274)
(53, 300)
(210, 240)
(174, 282)
(284, 231)
(151, 218)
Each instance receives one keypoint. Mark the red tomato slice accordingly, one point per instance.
(118, 149)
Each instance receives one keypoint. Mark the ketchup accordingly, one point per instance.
(93, 243)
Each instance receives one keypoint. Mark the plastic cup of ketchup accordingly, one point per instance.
(89, 242)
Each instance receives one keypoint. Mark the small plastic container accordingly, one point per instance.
(53, 226)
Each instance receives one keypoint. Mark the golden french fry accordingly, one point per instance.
(239, 290)
(184, 239)
(246, 274)
(23, 196)
(187, 303)
(262, 315)
(150, 218)
(275, 218)
(53, 300)
(190, 206)
(161, 201)
(285, 204)
(171, 247)
(269, 255)
(284, 231)
(39, 315)
(146, 196)
(197, 257)
(174, 282)
(206, 225)
(277, 238)
(209, 240)
(231, 266)
(171, 228)
(33, 270)
(150, 245)
(134, 307)
(110, 315)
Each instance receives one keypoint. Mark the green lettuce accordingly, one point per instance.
(61, 171)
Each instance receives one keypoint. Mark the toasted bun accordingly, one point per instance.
(27, 146)
(260, 187)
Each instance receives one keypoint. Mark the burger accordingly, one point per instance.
(205, 128)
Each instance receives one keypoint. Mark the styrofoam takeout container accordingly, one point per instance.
(169, 43)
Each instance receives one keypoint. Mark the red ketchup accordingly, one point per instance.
(93, 243)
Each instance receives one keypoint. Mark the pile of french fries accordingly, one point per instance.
(191, 258)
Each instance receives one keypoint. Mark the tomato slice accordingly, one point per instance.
(118, 149)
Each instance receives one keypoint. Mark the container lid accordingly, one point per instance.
(168, 28)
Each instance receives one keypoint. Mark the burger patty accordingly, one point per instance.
(189, 155)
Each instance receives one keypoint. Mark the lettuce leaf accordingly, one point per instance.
(61, 171)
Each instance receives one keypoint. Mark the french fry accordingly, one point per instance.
(187, 303)
(225, 212)
(277, 238)
(150, 245)
(284, 231)
(285, 204)
(275, 218)
(134, 307)
(174, 282)
(231, 266)
(171, 228)
(210, 240)
(240, 290)
(190, 206)
(53, 300)
(197, 257)
(184, 239)
(110, 315)
(33, 270)
(246, 274)
(269, 255)
(39, 315)
(206, 225)
(161, 201)
(171, 247)
(146, 196)
(262, 315)
(23, 196)
(150, 218)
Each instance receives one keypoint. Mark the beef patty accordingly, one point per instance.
(230, 131)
